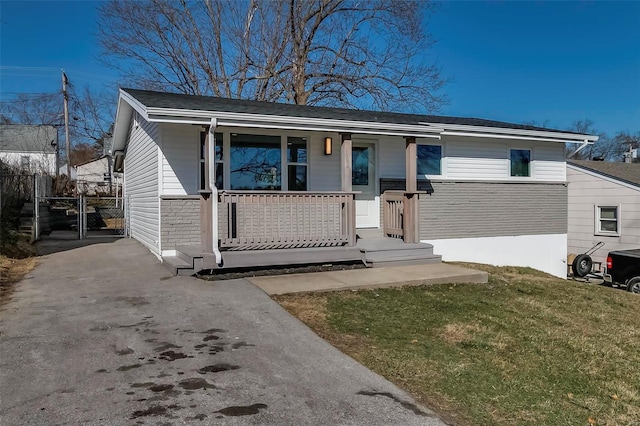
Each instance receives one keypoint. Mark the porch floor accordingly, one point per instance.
(413, 275)
(374, 250)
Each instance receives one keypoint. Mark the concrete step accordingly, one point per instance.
(283, 257)
(422, 260)
(25, 228)
(382, 256)
(178, 266)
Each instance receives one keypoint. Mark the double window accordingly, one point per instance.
(255, 162)
(429, 158)
(608, 220)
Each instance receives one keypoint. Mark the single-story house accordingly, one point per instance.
(94, 176)
(29, 147)
(604, 206)
(226, 176)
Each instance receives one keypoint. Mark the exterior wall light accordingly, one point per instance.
(327, 145)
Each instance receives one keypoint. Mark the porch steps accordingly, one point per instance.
(382, 252)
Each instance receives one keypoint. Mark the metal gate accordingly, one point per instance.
(102, 217)
(79, 217)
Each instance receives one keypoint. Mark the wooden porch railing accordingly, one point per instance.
(269, 220)
(400, 215)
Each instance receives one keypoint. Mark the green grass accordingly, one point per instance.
(525, 348)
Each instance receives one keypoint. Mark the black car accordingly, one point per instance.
(623, 269)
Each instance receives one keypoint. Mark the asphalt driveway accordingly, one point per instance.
(103, 334)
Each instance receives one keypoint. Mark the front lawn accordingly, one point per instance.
(525, 348)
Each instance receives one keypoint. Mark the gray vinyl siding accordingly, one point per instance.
(141, 171)
(492, 209)
(586, 192)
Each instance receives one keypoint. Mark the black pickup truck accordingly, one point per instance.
(623, 268)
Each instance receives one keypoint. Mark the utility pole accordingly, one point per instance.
(66, 123)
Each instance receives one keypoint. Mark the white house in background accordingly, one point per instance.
(94, 176)
(604, 206)
(29, 147)
(210, 179)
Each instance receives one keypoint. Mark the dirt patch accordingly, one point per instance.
(11, 272)
(215, 275)
(458, 332)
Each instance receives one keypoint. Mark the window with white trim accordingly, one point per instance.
(429, 158)
(607, 220)
(520, 160)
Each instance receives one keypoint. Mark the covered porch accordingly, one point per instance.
(260, 228)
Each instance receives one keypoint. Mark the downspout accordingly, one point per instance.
(580, 148)
(214, 191)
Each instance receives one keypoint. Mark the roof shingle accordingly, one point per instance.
(209, 103)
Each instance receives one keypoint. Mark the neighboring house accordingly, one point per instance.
(29, 147)
(62, 170)
(299, 177)
(604, 205)
(94, 176)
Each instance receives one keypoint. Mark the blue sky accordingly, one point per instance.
(549, 62)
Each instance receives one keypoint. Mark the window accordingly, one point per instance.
(608, 220)
(256, 162)
(520, 160)
(429, 160)
(218, 160)
(297, 164)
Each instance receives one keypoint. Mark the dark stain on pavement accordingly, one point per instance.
(166, 345)
(242, 410)
(241, 344)
(142, 385)
(215, 349)
(129, 367)
(126, 351)
(195, 383)
(160, 387)
(133, 301)
(405, 404)
(210, 337)
(154, 410)
(102, 370)
(216, 368)
(172, 355)
(197, 417)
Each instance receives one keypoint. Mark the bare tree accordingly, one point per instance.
(606, 148)
(371, 54)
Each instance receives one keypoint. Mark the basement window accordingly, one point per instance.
(607, 220)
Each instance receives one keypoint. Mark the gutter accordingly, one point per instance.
(214, 191)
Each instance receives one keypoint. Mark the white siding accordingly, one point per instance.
(180, 159)
(548, 162)
(475, 159)
(141, 184)
(585, 193)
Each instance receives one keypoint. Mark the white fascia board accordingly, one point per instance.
(508, 131)
(601, 176)
(498, 136)
(140, 108)
(297, 123)
(124, 112)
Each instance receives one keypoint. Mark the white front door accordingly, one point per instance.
(364, 179)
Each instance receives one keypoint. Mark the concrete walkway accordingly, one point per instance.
(438, 273)
(103, 334)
